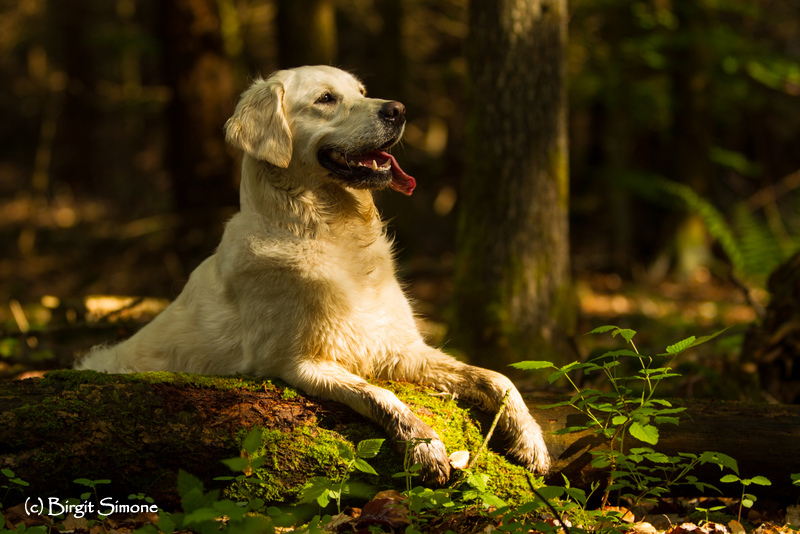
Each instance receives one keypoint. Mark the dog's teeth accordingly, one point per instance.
(374, 165)
(338, 157)
(353, 163)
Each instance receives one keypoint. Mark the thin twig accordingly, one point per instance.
(491, 429)
(555, 513)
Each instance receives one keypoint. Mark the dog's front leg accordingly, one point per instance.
(330, 381)
(431, 366)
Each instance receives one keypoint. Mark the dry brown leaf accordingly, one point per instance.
(736, 527)
(642, 527)
(385, 512)
(459, 460)
(625, 514)
(16, 515)
(683, 528)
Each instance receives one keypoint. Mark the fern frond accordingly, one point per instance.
(716, 224)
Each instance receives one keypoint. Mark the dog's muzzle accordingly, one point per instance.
(372, 167)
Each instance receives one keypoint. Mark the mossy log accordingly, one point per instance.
(139, 430)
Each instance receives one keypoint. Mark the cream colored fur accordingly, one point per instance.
(303, 285)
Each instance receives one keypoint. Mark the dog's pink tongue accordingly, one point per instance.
(400, 180)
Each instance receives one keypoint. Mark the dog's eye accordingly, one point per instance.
(327, 98)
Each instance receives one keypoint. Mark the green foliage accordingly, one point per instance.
(738, 76)
(322, 489)
(13, 484)
(410, 469)
(754, 245)
(630, 409)
(707, 511)
(247, 462)
(747, 499)
(201, 511)
(92, 485)
(715, 222)
(423, 504)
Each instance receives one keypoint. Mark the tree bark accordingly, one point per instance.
(512, 291)
(307, 33)
(204, 93)
(75, 159)
(692, 136)
(138, 431)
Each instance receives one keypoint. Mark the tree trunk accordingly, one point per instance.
(138, 430)
(306, 33)
(691, 135)
(512, 294)
(75, 159)
(204, 93)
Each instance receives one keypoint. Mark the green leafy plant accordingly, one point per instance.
(204, 512)
(474, 488)
(410, 469)
(747, 499)
(92, 485)
(707, 511)
(630, 409)
(421, 503)
(140, 497)
(14, 484)
(247, 462)
(323, 489)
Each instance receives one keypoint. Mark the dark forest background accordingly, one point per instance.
(684, 128)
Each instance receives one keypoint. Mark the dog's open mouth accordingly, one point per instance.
(371, 170)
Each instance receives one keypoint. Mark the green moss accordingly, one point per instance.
(71, 379)
(289, 393)
(457, 426)
(291, 459)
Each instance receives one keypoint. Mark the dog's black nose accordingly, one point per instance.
(393, 112)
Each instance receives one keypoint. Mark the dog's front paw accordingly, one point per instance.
(433, 457)
(534, 456)
(529, 449)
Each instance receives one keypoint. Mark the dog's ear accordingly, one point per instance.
(259, 125)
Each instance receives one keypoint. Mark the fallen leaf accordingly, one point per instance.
(643, 527)
(715, 528)
(736, 527)
(383, 512)
(72, 523)
(625, 514)
(16, 515)
(337, 521)
(459, 459)
(683, 528)
(772, 528)
(389, 494)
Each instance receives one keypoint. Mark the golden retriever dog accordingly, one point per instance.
(303, 285)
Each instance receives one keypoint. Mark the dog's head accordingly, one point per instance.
(321, 117)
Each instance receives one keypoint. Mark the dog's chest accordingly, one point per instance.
(360, 269)
(365, 315)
